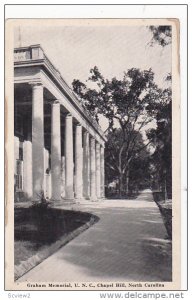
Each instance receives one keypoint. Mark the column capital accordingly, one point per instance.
(92, 138)
(56, 102)
(86, 132)
(68, 115)
(36, 83)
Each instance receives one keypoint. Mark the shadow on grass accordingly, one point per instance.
(36, 229)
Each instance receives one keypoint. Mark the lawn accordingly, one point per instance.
(40, 232)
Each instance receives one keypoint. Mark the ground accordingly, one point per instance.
(129, 243)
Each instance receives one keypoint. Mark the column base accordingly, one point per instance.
(94, 199)
(87, 203)
(64, 202)
(69, 200)
(79, 199)
(86, 198)
(99, 200)
(55, 199)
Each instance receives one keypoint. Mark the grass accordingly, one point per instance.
(37, 230)
(165, 208)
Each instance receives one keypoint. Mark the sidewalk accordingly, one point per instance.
(128, 243)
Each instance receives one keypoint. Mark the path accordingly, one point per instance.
(128, 243)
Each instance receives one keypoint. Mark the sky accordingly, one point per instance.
(74, 50)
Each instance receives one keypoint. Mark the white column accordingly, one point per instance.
(27, 169)
(63, 176)
(56, 151)
(16, 151)
(78, 163)
(92, 170)
(102, 173)
(86, 166)
(98, 171)
(46, 166)
(37, 140)
(16, 157)
(69, 194)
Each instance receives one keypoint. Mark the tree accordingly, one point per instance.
(127, 174)
(127, 105)
(137, 175)
(161, 138)
(139, 171)
(162, 35)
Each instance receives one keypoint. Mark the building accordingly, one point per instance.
(58, 146)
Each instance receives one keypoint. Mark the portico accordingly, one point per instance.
(58, 146)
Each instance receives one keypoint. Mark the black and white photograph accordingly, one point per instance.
(93, 148)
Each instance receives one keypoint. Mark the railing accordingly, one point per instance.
(22, 54)
(28, 53)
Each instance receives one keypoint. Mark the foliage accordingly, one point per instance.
(128, 105)
(42, 202)
(122, 101)
(134, 163)
(161, 138)
(139, 171)
(162, 35)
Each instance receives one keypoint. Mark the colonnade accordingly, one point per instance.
(86, 157)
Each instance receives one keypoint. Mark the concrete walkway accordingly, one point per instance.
(128, 243)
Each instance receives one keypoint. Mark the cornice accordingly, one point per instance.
(56, 77)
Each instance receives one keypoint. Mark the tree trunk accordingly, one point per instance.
(127, 183)
(165, 189)
(120, 184)
(120, 173)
